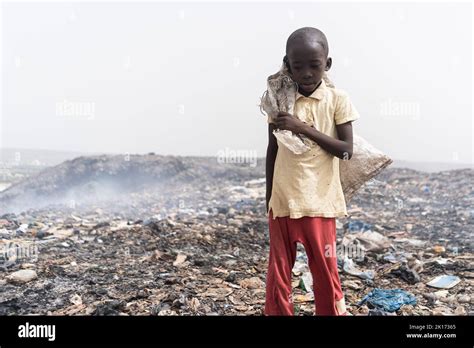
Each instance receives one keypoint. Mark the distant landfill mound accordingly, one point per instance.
(109, 177)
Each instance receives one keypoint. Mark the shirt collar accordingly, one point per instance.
(318, 93)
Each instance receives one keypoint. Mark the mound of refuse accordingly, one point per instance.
(110, 177)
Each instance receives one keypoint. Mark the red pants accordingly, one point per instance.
(318, 235)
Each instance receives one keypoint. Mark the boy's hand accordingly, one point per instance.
(289, 122)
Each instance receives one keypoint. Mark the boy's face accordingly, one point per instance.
(308, 61)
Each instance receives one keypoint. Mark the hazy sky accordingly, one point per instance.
(186, 78)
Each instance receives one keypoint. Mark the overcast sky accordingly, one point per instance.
(186, 78)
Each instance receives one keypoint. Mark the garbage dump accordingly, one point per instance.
(164, 235)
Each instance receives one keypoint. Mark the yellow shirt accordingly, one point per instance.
(309, 184)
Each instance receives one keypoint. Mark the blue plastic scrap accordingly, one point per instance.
(389, 300)
(358, 226)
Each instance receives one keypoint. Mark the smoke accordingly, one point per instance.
(123, 182)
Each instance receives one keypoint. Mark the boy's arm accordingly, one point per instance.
(341, 148)
(272, 150)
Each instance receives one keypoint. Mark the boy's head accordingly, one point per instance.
(307, 58)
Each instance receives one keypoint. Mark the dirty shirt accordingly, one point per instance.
(309, 184)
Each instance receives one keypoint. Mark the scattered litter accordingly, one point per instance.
(252, 283)
(308, 297)
(75, 299)
(394, 258)
(189, 236)
(306, 282)
(369, 241)
(407, 274)
(388, 300)
(411, 242)
(22, 276)
(350, 268)
(357, 226)
(22, 229)
(439, 249)
(444, 282)
(180, 258)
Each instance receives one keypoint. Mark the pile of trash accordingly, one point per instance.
(195, 242)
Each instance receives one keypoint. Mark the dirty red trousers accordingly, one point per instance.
(318, 235)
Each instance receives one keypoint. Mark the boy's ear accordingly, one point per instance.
(328, 63)
(287, 63)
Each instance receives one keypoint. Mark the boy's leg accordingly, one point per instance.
(278, 299)
(319, 240)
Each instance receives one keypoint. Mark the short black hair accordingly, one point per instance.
(308, 34)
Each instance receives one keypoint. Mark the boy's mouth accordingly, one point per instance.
(308, 86)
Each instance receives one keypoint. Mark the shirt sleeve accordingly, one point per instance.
(345, 110)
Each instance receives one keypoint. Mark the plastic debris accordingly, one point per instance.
(22, 229)
(411, 242)
(442, 261)
(394, 258)
(301, 263)
(350, 268)
(389, 300)
(357, 226)
(444, 282)
(368, 241)
(306, 282)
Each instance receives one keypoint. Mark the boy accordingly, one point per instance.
(304, 193)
